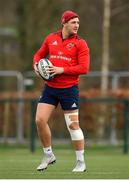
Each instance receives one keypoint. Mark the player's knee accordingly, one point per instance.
(72, 120)
(39, 121)
(76, 135)
(74, 125)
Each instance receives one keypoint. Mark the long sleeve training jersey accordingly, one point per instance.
(72, 54)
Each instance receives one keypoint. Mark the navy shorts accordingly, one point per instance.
(67, 97)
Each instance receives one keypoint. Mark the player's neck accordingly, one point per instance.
(66, 34)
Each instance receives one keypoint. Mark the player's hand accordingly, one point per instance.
(54, 70)
(36, 69)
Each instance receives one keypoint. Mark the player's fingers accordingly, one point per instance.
(53, 74)
(37, 72)
(50, 70)
(36, 67)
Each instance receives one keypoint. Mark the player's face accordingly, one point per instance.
(72, 26)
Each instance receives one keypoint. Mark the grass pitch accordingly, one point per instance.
(102, 163)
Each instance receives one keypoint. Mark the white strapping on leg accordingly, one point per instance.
(75, 134)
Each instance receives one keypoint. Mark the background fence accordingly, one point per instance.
(89, 115)
(17, 112)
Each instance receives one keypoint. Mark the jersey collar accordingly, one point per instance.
(70, 37)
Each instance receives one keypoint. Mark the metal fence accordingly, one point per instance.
(26, 79)
(31, 119)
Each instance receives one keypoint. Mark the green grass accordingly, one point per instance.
(102, 163)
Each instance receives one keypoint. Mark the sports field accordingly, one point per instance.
(102, 163)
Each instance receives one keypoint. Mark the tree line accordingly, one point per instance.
(32, 20)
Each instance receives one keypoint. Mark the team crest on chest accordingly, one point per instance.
(70, 45)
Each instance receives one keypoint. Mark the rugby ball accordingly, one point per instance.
(43, 65)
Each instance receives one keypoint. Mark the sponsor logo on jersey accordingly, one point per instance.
(60, 57)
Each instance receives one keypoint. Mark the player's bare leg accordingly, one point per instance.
(72, 121)
(43, 114)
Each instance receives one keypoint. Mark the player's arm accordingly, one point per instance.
(83, 61)
(41, 53)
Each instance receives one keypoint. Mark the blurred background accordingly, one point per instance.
(104, 24)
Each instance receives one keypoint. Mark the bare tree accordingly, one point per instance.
(105, 46)
(104, 67)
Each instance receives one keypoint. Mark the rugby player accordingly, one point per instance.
(70, 57)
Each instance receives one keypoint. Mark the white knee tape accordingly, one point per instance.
(68, 119)
(75, 134)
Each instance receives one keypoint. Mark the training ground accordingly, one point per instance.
(102, 163)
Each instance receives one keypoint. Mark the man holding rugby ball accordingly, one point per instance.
(69, 55)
